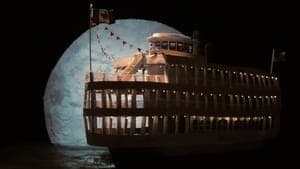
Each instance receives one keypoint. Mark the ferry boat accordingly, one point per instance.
(173, 97)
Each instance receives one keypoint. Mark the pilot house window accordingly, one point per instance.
(157, 45)
(164, 45)
(172, 45)
(179, 46)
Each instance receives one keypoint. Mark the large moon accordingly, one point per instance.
(63, 97)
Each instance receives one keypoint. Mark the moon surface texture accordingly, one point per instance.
(63, 97)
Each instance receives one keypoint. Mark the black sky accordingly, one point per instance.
(241, 34)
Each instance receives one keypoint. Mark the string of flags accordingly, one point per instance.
(117, 37)
(102, 48)
(123, 41)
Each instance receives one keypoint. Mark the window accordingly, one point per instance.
(138, 121)
(99, 100)
(139, 101)
(186, 47)
(179, 46)
(172, 45)
(157, 45)
(164, 45)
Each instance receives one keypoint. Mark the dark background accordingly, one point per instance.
(240, 34)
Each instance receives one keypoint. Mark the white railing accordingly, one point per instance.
(98, 77)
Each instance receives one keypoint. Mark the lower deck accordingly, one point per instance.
(177, 130)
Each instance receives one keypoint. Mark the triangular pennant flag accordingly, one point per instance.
(111, 34)
(105, 28)
(97, 36)
(130, 46)
(139, 49)
(117, 37)
(124, 42)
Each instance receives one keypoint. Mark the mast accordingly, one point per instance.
(272, 60)
(90, 43)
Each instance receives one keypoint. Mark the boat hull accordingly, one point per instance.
(206, 141)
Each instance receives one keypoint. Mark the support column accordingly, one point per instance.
(230, 79)
(222, 78)
(215, 102)
(177, 74)
(176, 124)
(132, 125)
(228, 123)
(276, 82)
(156, 99)
(110, 100)
(118, 95)
(257, 104)
(150, 125)
(259, 81)
(187, 124)
(119, 127)
(264, 81)
(110, 126)
(187, 99)
(155, 125)
(125, 125)
(268, 104)
(250, 106)
(233, 120)
(211, 120)
(93, 123)
(231, 105)
(168, 95)
(133, 99)
(242, 83)
(165, 125)
(104, 125)
(186, 75)
(103, 99)
(253, 79)
(93, 97)
(264, 123)
(143, 129)
(247, 81)
(263, 106)
(213, 72)
(196, 76)
(126, 100)
(197, 101)
(270, 122)
(178, 99)
(205, 102)
(244, 104)
(238, 104)
(223, 104)
(147, 103)
(204, 76)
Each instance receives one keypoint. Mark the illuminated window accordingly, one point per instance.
(138, 121)
(139, 101)
(99, 122)
(99, 100)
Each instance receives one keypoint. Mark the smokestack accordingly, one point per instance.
(196, 35)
